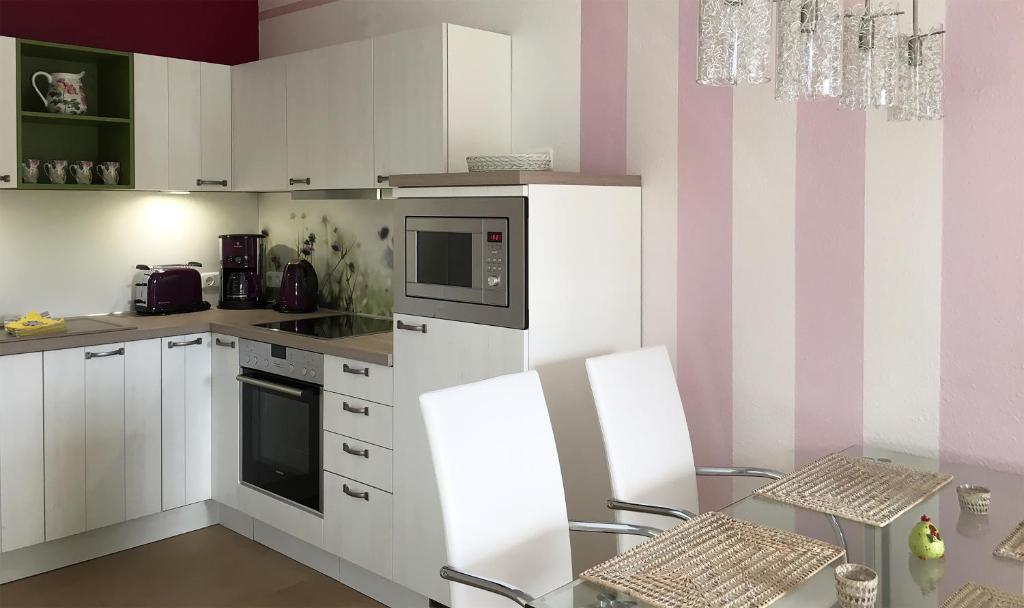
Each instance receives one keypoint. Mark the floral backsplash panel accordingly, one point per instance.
(349, 242)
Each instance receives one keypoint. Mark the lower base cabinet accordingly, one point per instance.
(357, 523)
(186, 412)
(21, 451)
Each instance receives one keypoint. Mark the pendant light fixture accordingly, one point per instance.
(809, 49)
(921, 84)
(734, 42)
(871, 55)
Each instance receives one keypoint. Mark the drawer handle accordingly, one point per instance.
(6, 178)
(186, 343)
(383, 178)
(363, 453)
(358, 371)
(111, 353)
(365, 410)
(422, 328)
(298, 180)
(228, 344)
(360, 495)
(212, 182)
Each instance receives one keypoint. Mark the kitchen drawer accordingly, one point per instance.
(370, 464)
(358, 528)
(358, 418)
(358, 379)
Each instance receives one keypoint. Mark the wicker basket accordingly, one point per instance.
(510, 162)
(974, 499)
(856, 586)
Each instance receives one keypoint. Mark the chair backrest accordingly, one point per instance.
(500, 486)
(646, 439)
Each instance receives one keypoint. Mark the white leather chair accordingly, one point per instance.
(502, 499)
(647, 441)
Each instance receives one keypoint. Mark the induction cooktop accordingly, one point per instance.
(343, 325)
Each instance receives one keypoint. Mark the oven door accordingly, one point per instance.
(458, 259)
(280, 452)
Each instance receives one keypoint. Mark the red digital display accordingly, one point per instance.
(494, 237)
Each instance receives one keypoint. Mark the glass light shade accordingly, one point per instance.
(871, 55)
(920, 87)
(809, 50)
(734, 42)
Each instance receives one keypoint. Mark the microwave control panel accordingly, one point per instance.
(494, 259)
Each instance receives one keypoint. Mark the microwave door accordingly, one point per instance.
(444, 259)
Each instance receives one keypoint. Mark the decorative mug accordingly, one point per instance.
(30, 171)
(109, 172)
(81, 171)
(65, 94)
(57, 171)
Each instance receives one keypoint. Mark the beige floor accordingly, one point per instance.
(213, 567)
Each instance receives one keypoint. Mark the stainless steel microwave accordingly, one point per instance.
(462, 259)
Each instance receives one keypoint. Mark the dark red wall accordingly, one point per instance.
(219, 31)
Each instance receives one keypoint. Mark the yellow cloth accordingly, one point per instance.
(34, 324)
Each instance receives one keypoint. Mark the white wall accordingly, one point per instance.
(74, 253)
(545, 53)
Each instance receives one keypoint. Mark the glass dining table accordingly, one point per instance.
(904, 580)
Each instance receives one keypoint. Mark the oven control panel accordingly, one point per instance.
(282, 361)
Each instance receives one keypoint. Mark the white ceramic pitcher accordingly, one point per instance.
(65, 93)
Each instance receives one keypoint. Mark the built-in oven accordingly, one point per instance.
(462, 259)
(281, 422)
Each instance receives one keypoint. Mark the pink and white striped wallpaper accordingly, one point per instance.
(843, 279)
(823, 278)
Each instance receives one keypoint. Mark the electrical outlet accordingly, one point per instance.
(274, 278)
(210, 280)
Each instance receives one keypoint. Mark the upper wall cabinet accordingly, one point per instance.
(440, 94)
(330, 117)
(259, 128)
(199, 125)
(8, 114)
(151, 116)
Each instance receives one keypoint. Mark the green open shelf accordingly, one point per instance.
(105, 132)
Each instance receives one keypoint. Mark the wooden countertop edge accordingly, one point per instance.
(371, 348)
(509, 178)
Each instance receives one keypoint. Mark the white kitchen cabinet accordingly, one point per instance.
(440, 94)
(64, 441)
(21, 451)
(225, 420)
(259, 125)
(364, 420)
(330, 117)
(447, 354)
(199, 125)
(358, 379)
(104, 435)
(186, 420)
(142, 432)
(356, 459)
(357, 524)
(151, 122)
(8, 114)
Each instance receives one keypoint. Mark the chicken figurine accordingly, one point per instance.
(925, 540)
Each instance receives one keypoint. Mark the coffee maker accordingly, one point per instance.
(241, 271)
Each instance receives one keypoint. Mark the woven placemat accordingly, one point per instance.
(1013, 546)
(858, 489)
(980, 596)
(715, 561)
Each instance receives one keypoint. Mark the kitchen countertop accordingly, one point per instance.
(509, 178)
(371, 348)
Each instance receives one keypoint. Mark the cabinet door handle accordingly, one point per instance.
(212, 182)
(383, 178)
(363, 453)
(298, 180)
(111, 353)
(358, 371)
(365, 410)
(188, 343)
(229, 344)
(422, 328)
(360, 495)
(6, 178)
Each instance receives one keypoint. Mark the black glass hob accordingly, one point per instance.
(335, 326)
